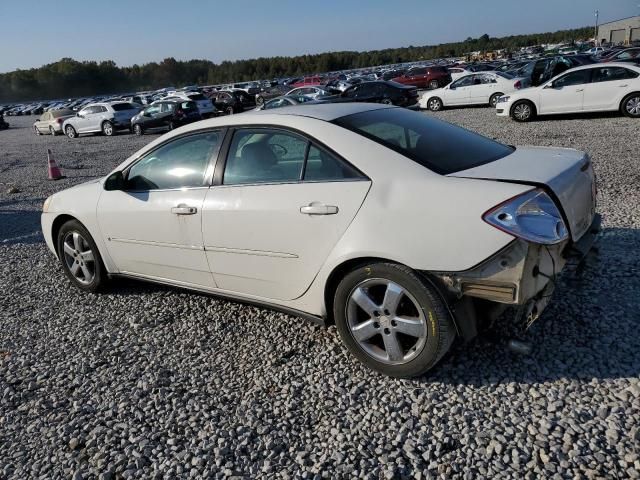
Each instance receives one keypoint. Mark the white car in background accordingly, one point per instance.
(205, 105)
(311, 92)
(483, 88)
(599, 87)
(105, 117)
(335, 212)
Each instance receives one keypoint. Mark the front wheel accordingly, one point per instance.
(434, 104)
(137, 129)
(523, 111)
(107, 129)
(36, 131)
(631, 105)
(52, 131)
(80, 258)
(493, 100)
(392, 320)
(70, 131)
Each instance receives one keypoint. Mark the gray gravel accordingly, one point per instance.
(146, 381)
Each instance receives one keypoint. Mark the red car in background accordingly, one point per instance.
(307, 82)
(425, 77)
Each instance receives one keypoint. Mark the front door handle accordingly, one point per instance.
(183, 209)
(317, 208)
(622, 86)
(580, 90)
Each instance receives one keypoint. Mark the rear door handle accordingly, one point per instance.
(316, 208)
(622, 86)
(580, 90)
(184, 210)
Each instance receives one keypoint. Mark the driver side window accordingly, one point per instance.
(181, 163)
(578, 77)
(464, 81)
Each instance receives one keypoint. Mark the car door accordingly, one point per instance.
(459, 92)
(92, 121)
(484, 85)
(277, 208)
(153, 226)
(608, 85)
(79, 122)
(565, 94)
(150, 116)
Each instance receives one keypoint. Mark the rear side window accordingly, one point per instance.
(197, 96)
(608, 74)
(119, 107)
(434, 144)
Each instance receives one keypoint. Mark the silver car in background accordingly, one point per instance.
(105, 117)
(51, 122)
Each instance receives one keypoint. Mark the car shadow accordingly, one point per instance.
(589, 330)
(578, 116)
(20, 226)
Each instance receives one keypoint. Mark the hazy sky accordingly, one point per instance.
(126, 31)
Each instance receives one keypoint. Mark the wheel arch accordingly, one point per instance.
(57, 224)
(624, 98)
(523, 100)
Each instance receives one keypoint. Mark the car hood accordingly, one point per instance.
(564, 172)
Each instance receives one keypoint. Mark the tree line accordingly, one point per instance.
(70, 78)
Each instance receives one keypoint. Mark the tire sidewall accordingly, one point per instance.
(100, 271)
(439, 104)
(623, 105)
(431, 305)
(522, 102)
(104, 129)
(70, 132)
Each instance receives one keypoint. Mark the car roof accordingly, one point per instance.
(604, 65)
(323, 111)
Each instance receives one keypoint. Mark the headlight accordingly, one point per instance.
(45, 206)
(532, 216)
(503, 99)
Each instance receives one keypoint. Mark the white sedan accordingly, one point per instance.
(599, 87)
(404, 230)
(473, 89)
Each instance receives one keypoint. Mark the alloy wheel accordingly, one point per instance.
(522, 111)
(107, 129)
(386, 321)
(633, 106)
(79, 258)
(434, 104)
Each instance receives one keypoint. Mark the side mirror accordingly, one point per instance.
(549, 85)
(452, 87)
(115, 181)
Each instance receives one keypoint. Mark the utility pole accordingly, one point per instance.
(595, 36)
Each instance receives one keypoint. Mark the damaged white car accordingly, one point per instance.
(404, 230)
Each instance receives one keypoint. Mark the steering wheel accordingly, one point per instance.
(278, 149)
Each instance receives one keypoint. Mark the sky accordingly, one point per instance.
(141, 31)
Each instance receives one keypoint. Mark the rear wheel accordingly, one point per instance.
(392, 320)
(434, 104)
(259, 101)
(36, 131)
(107, 129)
(70, 131)
(523, 111)
(137, 129)
(52, 131)
(493, 101)
(229, 111)
(630, 106)
(80, 258)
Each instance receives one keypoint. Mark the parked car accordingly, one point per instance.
(306, 82)
(51, 121)
(425, 77)
(165, 115)
(235, 101)
(285, 101)
(313, 92)
(472, 89)
(329, 187)
(381, 91)
(539, 71)
(270, 92)
(205, 105)
(594, 51)
(105, 117)
(626, 54)
(592, 88)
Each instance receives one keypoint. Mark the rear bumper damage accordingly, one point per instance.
(523, 274)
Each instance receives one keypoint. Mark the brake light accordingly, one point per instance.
(517, 85)
(59, 120)
(532, 216)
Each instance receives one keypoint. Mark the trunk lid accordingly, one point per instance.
(565, 172)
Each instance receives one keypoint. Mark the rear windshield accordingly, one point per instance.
(434, 144)
(196, 96)
(118, 107)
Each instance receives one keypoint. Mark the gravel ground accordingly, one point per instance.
(146, 381)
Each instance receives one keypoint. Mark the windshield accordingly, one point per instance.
(434, 144)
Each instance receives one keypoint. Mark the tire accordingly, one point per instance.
(36, 131)
(52, 131)
(433, 84)
(80, 258)
(493, 100)
(259, 101)
(137, 129)
(172, 126)
(229, 111)
(70, 131)
(107, 129)
(434, 104)
(630, 105)
(383, 344)
(387, 101)
(523, 111)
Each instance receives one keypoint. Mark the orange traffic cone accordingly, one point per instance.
(54, 171)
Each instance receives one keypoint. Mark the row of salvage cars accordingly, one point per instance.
(597, 87)
(347, 200)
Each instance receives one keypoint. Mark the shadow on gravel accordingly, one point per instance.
(20, 226)
(589, 330)
(579, 116)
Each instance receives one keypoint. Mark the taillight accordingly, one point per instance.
(517, 85)
(532, 216)
(60, 121)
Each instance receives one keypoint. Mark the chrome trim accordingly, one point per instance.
(242, 251)
(156, 244)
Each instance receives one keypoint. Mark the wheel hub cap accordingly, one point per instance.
(79, 258)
